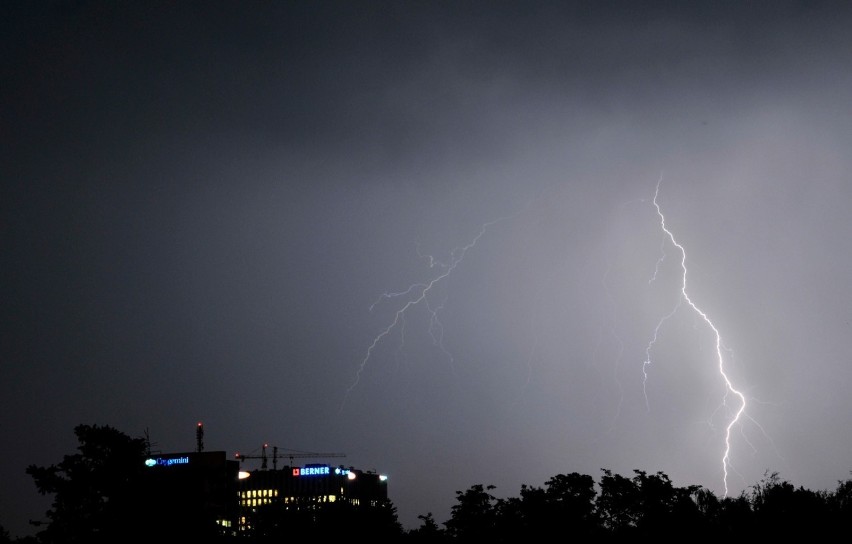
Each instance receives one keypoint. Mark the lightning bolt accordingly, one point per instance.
(730, 390)
(418, 293)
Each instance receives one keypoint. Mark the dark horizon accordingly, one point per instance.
(117, 486)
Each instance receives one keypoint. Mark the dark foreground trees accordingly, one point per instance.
(572, 507)
(93, 499)
(96, 498)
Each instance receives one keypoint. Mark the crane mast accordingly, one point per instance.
(289, 455)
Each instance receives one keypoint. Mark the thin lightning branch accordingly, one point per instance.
(726, 463)
(647, 362)
(420, 292)
(384, 296)
(659, 261)
(665, 318)
(436, 331)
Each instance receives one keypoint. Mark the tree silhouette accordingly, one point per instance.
(474, 516)
(782, 510)
(428, 532)
(840, 507)
(93, 489)
(564, 508)
(617, 504)
(571, 500)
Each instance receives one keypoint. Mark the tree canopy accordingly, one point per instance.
(93, 488)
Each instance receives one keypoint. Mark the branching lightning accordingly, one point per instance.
(684, 297)
(416, 294)
(423, 294)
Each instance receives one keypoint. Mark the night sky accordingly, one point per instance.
(424, 235)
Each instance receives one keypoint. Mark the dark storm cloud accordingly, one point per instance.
(335, 70)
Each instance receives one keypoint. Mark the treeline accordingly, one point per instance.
(94, 501)
(645, 506)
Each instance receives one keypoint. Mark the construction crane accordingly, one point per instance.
(290, 455)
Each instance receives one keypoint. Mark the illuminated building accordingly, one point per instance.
(292, 499)
(186, 494)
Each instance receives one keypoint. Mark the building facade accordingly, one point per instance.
(191, 493)
(312, 498)
(204, 492)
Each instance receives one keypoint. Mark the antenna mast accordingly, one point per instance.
(199, 436)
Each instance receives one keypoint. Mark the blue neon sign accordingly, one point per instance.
(166, 461)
